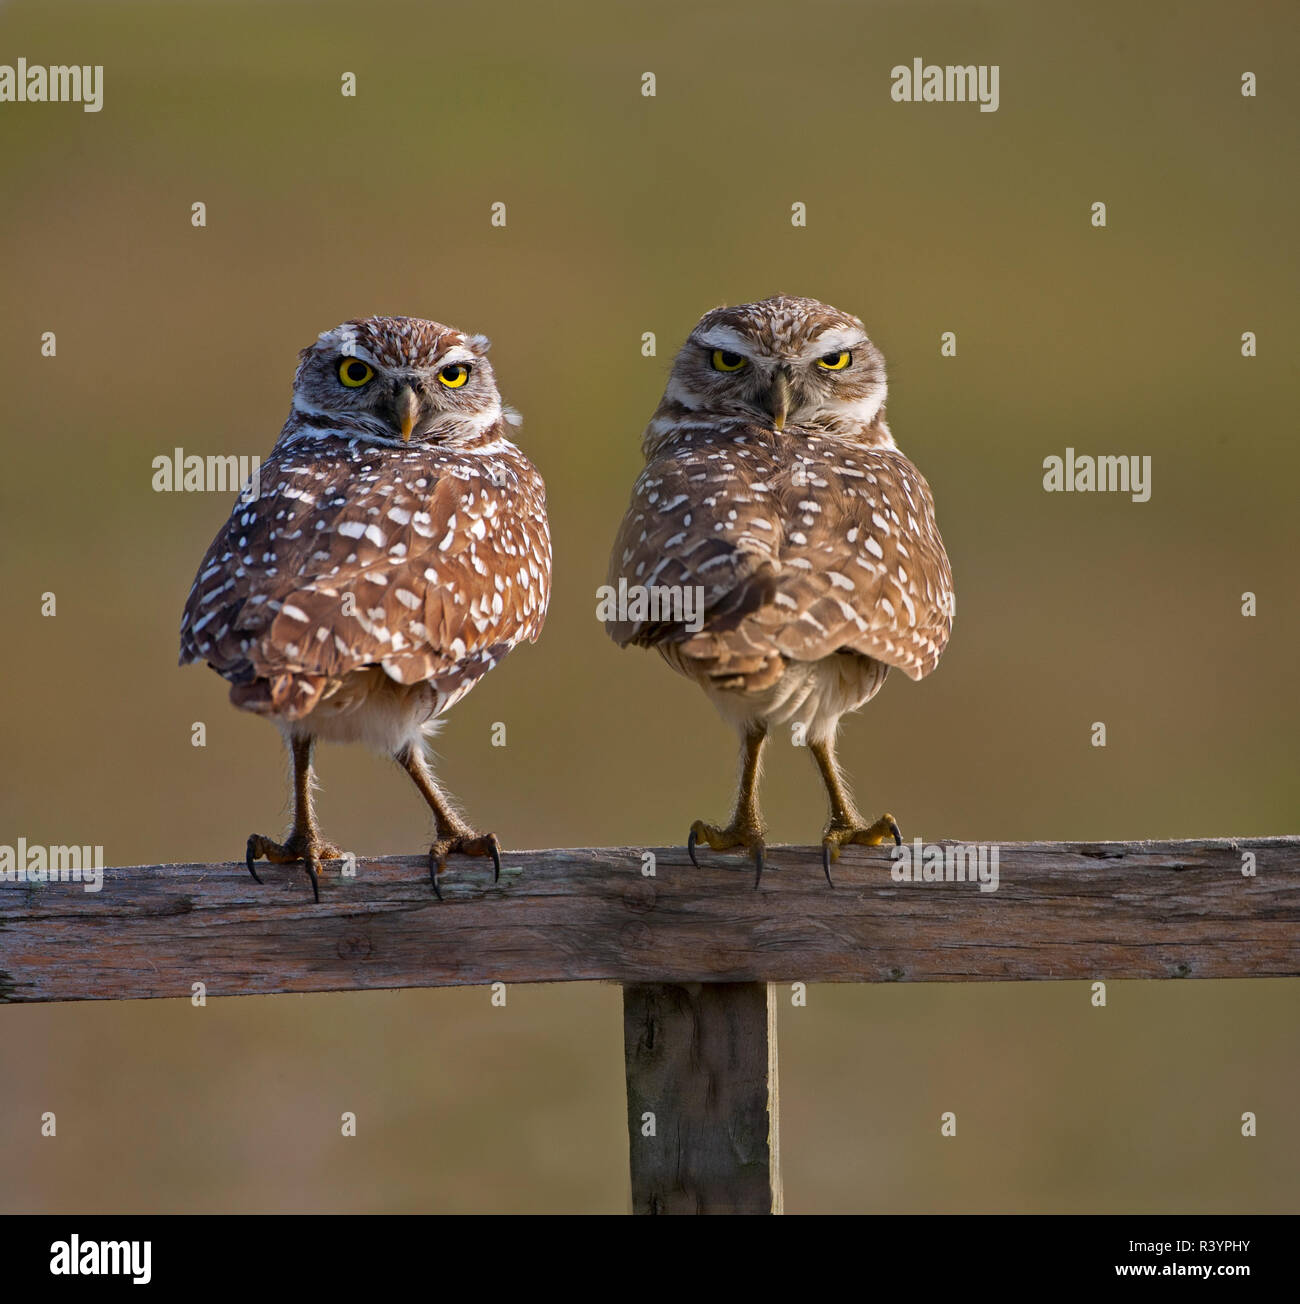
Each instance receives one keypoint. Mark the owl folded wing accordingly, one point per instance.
(436, 586)
(790, 564)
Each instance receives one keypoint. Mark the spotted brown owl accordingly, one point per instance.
(396, 550)
(774, 495)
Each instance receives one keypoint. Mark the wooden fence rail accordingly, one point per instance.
(694, 949)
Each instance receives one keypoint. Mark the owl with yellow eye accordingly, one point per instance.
(774, 488)
(397, 551)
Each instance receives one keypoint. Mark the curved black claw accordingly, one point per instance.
(467, 844)
(248, 859)
(758, 864)
(898, 837)
(826, 862)
(690, 849)
(315, 879)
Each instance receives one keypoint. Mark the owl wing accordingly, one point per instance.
(693, 526)
(796, 560)
(432, 572)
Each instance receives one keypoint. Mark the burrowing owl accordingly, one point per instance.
(773, 485)
(397, 551)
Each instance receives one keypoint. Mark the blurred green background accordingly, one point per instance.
(628, 214)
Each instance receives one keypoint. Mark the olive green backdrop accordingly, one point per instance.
(629, 214)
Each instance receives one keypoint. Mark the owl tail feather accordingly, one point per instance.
(286, 696)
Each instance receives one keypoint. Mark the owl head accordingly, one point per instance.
(398, 380)
(782, 361)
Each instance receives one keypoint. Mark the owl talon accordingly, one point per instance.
(250, 855)
(300, 846)
(842, 835)
(468, 844)
(746, 836)
(311, 862)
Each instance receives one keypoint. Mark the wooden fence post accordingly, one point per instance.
(702, 1097)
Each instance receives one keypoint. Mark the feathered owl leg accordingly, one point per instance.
(453, 834)
(746, 827)
(304, 842)
(846, 824)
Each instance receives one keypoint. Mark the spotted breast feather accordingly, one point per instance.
(404, 562)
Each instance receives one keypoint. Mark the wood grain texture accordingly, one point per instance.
(701, 1065)
(1062, 910)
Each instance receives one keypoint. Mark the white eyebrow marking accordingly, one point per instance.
(833, 340)
(341, 338)
(724, 337)
(457, 353)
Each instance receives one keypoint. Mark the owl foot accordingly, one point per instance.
(300, 846)
(840, 835)
(469, 844)
(734, 835)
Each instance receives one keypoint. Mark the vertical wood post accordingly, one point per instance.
(702, 1097)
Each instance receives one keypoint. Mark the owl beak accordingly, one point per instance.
(778, 397)
(406, 411)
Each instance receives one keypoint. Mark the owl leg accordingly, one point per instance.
(746, 827)
(846, 824)
(453, 834)
(304, 842)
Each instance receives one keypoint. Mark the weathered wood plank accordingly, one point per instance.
(701, 1097)
(1062, 910)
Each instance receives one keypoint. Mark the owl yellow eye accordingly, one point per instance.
(724, 361)
(354, 373)
(455, 376)
(835, 361)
